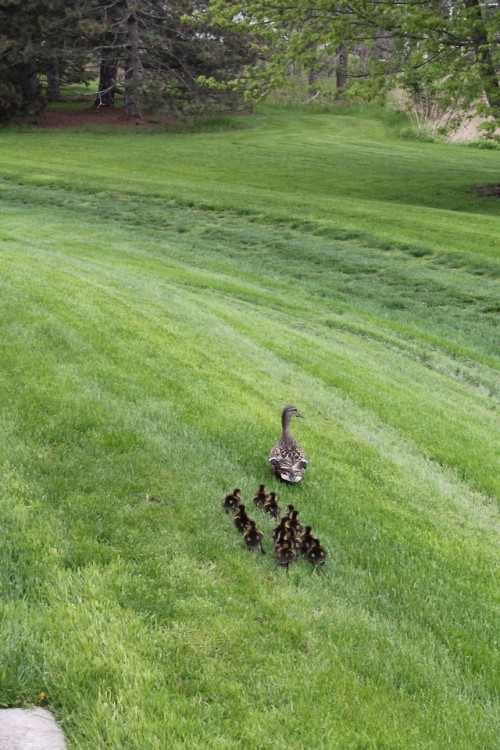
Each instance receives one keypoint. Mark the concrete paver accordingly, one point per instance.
(29, 729)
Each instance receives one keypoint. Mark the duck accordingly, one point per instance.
(316, 554)
(232, 501)
(261, 495)
(253, 536)
(287, 458)
(285, 554)
(288, 513)
(271, 506)
(241, 519)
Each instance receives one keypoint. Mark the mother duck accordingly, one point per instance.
(287, 458)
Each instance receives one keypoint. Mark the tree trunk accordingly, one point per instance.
(341, 71)
(313, 75)
(108, 71)
(133, 65)
(53, 81)
(30, 88)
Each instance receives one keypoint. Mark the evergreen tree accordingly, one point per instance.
(157, 54)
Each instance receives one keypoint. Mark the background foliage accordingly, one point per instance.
(196, 55)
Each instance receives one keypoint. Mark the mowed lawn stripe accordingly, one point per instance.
(434, 404)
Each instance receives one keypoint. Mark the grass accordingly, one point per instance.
(162, 297)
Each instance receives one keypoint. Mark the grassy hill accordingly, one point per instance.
(162, 297)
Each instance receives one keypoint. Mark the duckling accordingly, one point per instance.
(284, 532)
(306, 540)
(294, 523)
(289, 511)
(231, 502)
(272, 506)
(285, 554)
(261, 495)
(316, 554)
(287, 458)
(241, 519)
(279, 531)
(253, 536)
(292, 539)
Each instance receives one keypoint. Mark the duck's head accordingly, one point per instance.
(289, 412)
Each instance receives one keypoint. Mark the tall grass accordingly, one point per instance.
(162, 297)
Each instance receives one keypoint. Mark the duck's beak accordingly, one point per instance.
(300, 415)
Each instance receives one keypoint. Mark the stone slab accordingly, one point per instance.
(29, 729)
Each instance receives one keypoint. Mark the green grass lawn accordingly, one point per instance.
(162, 297)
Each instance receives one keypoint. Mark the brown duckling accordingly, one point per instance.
(316, 554)
(284, 532)
(279, 531)
(231, 502)
(288, 512)
(293, 540)
(285, 554)
(261, 496)
(294, 523)
(241, 519)
(306, 540)
(272, 507)
(253, 536)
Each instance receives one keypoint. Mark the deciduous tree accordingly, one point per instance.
(456, 42)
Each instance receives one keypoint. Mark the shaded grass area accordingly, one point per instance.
(147, 348)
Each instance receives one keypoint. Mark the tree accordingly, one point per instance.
(19, 35)
(38, 37)
(150, 51)
(454, 41)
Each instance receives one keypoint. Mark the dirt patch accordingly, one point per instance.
(54, 119)
(487, 191)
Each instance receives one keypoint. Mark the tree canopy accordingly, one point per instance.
(190, 55)
(148, 50)
(454, 44)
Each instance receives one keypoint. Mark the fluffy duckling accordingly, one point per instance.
(261, 496)
(284, 532)
(294, 524)
(253, 536)
(293, 540)
(279, 531)
(231, 502)
(272, 507)
(287, 458)
(316, 554)
(241, 519)
(306, 540)
(289, 511)
(285, 554)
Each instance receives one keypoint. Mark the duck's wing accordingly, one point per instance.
(289, 461)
